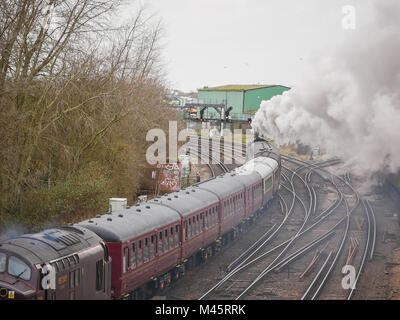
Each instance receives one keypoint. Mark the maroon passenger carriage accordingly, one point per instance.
(149, 244)
(144, 240)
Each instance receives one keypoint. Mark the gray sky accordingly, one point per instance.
(216, 42)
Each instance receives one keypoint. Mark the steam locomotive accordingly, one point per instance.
(132, 253)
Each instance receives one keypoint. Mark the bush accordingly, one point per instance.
(82, 195)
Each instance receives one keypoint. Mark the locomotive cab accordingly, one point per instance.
(18, 278)
(64, 263)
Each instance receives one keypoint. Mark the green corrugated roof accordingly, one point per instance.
(237, 87)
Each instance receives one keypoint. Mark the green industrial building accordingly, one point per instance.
(244, 99)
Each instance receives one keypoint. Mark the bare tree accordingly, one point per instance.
(75, 90)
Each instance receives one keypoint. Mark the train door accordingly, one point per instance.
(74, 291)
(100, 276)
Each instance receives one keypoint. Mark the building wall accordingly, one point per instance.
(253, 98)
(233, 99)
(241, 101)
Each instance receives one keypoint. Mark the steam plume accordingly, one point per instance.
(349, 103)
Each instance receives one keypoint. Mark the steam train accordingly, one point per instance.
(132, 253)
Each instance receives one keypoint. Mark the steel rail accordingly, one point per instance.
(374, 230)
(243, 264)
(328, 212)
(234, 262)
(365, 251)
(272, 265)
(316, 276)
(311, 194)
(346, 230)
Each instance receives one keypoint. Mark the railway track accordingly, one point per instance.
(281, 248)
(272, 255)
(319, 281)
(215, 163)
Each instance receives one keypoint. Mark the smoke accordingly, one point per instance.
(349, 103)
(12, 232)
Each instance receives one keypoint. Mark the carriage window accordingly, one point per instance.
(166, 241)
(124, 260)
(176, 236)
(185, 229)
(3, 259)
(17, 267)
(171, 237)
(197, 224)
(140, 254)
(133, 256)
(160, 243)
(146, 250)
(192, 223)
(152, 247)
(139, 257)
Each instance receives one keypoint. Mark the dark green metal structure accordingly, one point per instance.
(244, 99)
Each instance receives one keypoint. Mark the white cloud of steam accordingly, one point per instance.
(349, 103)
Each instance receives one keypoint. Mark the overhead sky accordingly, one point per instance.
(217, 42)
